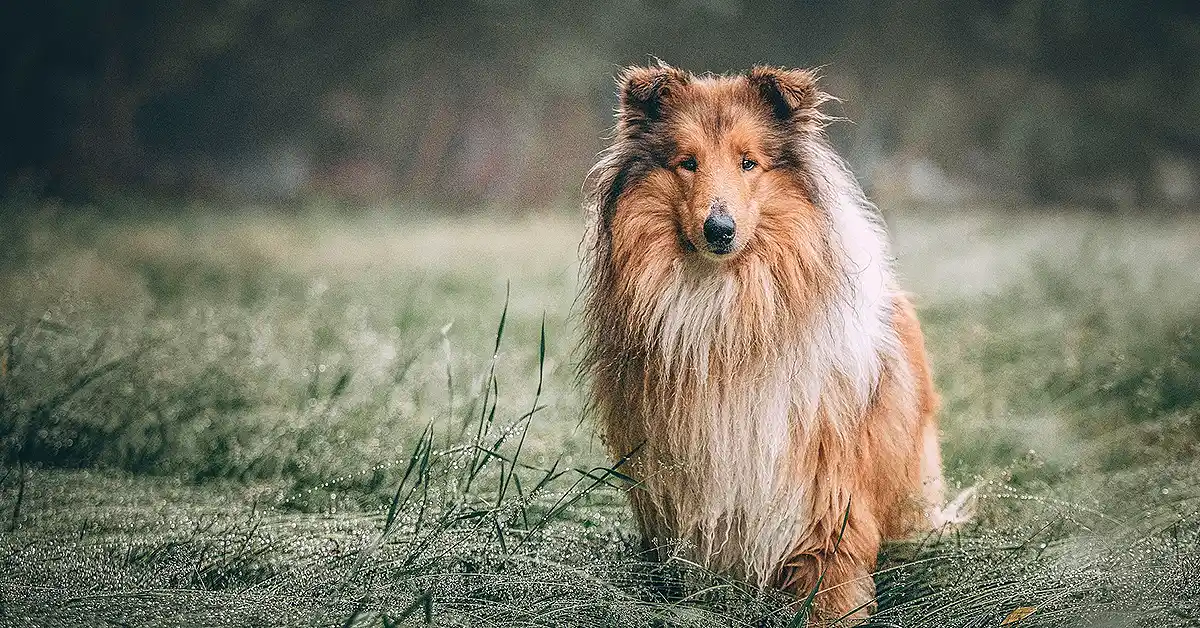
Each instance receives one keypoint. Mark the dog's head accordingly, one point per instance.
(709, 166)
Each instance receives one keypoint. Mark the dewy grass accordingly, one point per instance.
(249, 419)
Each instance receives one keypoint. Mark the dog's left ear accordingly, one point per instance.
(792, 95)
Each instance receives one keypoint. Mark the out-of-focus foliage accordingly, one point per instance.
(507, 102)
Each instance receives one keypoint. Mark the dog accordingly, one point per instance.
(751, 360)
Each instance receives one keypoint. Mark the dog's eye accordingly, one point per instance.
(748, 164)
(689, 164)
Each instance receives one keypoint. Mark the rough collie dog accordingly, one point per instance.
(748, 350)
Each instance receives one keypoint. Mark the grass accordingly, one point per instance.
(255, 418)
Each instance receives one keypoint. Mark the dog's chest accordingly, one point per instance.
(739, 412)
(733, 472)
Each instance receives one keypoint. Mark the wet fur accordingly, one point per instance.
(768, 396)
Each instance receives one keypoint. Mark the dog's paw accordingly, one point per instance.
(957, 513)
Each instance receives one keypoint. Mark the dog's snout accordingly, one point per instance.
(719, 231)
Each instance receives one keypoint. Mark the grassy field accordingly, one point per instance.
(258, 418)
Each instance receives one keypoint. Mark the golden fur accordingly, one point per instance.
(766, 394)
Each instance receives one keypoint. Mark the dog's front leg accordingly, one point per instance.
(652, 542)
(841, 577)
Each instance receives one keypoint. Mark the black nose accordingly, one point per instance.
(718, 231)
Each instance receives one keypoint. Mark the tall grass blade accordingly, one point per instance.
(536, 397)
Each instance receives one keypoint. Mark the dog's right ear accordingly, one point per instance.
(644, 92)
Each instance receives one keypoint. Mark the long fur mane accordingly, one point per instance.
(740, 390)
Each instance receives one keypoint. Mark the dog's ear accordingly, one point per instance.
(792, 95)
(644, 90)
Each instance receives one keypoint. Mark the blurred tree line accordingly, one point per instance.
(507, 101)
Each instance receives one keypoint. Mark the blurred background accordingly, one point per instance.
(279, 278)
(506, 103)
